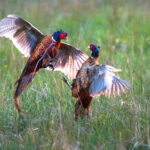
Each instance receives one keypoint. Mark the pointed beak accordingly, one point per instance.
(66, 38)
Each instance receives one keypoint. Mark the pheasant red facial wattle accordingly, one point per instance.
(91, 47)
(63, 35)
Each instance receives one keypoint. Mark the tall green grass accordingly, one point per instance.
(122, 29)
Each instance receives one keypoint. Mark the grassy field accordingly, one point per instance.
(122, 29)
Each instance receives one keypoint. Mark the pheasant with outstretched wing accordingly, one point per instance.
(43, 51)
(94, 79)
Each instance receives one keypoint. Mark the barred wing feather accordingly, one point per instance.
(69, 60)
(23, 35)
(106, 82)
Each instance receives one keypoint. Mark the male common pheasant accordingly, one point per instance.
(41, 49)
(92, 80)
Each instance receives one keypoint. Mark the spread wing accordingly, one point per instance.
(69, 60)
(104, 81)
(23, 35)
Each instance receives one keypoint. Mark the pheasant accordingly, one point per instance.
(92, 80)
(42, 50)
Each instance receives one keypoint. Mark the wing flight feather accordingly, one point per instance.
(106, 82)
(23, 35)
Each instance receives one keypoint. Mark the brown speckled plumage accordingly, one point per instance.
(80, 89)
(38, 59)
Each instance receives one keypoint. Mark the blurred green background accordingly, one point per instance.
(122, 29)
